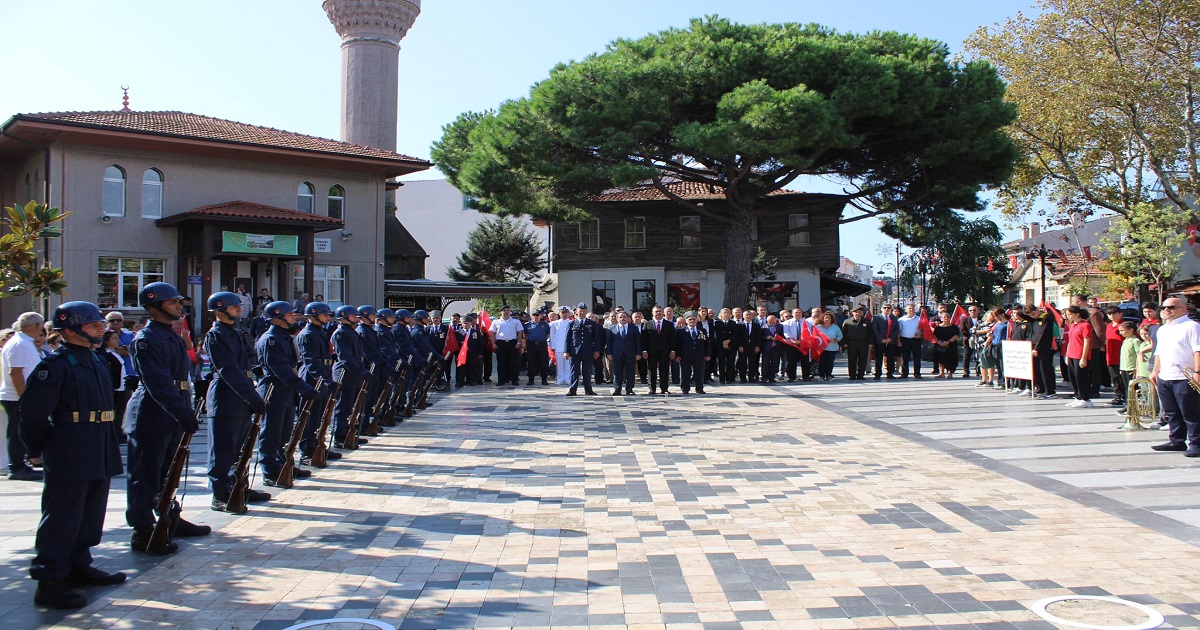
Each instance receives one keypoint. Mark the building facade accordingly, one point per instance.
(643, 249)
(202, 203)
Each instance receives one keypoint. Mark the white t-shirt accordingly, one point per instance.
(910, 326)
(1177, 341)
(19, 352)
(506, 329)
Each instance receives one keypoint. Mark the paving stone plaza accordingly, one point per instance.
(926, 504)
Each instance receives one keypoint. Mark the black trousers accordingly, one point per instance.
(692, 372)
(770, 363)
(1181, 409)
(1081, 379)
(727, 358)
(469, 372)
(792, 356)
(72, 523)
(538, 356)
(1043, 372)
(856, 359)
(885, 352)
(277, 427)
(508, 362)
(150, 454)
(910, 352)
(344, 405)
(309, 441)
(16, 447)
(643, 368)
(747, 365)
(623, 369)
(660, 371)
(226, 434)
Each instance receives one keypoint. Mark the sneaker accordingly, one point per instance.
(1085, 404)
(1073, 403)
(1015, 391)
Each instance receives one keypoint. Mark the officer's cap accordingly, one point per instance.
(689, 314)
(435, 313)
(581, 305)
(564, 308)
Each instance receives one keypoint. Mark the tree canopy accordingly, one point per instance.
(1107, 92)
(961, 260)
(886, 117)
(499, 249)
(1146, 245)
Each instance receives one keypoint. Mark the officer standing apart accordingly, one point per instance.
(537, 334)
(317, 362)
(277, 358)
(582, 349)
(159, 412)
(231, 398)
(349, 367)
(67, 415)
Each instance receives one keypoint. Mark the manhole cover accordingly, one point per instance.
(1098, 613)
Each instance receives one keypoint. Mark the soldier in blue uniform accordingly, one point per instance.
(583, 348)
(693, 348)
(349, 368)
(231, 398)
(405, 350)
(374, 358)
(67, 415)
(316, 362)
(437, 338)
(158, 414)
(277, 358)
(385, 318)
(537, 335)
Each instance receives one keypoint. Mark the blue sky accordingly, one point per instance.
(277, 63)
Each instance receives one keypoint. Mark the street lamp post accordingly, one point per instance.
(895, 277)
(1040, 251)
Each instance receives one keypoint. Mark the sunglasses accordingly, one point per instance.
(1169, 307)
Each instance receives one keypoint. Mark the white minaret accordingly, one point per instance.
(371, 31)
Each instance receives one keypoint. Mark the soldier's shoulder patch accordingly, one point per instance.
(43, 374)
(141, 344)
(271, 341)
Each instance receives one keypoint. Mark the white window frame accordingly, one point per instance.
(595, 231)
(690, 241)
(161, 186)
(104, 190)
(322, 281)
(306, 194)
(635, 227)
(143, 278)
(341, 200)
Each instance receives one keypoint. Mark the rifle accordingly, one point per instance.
(241, 473)
(414, 397)
(285, 478)
(351, 439)
(397, 395)
(384, 396)
(164, 527)
(318, 457)
(437, 371)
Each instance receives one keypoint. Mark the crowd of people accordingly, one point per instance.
(309, 380)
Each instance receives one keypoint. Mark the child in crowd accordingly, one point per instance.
(1128, 357)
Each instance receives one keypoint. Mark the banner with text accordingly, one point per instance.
(262, 244)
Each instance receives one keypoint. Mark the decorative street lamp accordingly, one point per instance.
(1040, 252)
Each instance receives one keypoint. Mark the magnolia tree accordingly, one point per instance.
(19, 272)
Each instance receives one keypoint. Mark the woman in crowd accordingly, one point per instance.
(116, 369)
(945, 347)
(828, 327)
(1081, 339)
(981, 336)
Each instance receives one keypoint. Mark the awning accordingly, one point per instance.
(248, 213)
(833, 287)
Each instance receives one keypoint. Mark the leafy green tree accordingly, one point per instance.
(898, 127)
(1108, 100)
(19, 272)
(962, 261)
(499, 249)
(1146, 245)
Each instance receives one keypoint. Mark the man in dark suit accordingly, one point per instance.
(748, 338)
(660, 349)
(770, 349)
(624, 346)
(856, 339)
(693, 349)
(885, 333)
(583, 341)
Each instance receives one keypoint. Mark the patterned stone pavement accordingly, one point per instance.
(792, 507)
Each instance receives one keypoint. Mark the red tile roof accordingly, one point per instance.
(1075, 265)
(247, 211)
(686, 190)
(185, 125)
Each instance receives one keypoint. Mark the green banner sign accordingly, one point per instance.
(263, 244)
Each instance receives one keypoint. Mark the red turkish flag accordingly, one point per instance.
(462, 352)
(958, 316)
(820, 341)
(925, 328)
(451, 343)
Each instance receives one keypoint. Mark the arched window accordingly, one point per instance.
(337, 202)
(305, 194)
(152, 194)
(113, 196)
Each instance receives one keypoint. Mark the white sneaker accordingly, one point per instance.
(1014, 391)
(1084, 404)
(1074, 403)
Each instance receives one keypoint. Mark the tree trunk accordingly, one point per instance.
(738, 254)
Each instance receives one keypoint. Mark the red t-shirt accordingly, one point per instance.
(1112, 344)
(1075, 336)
